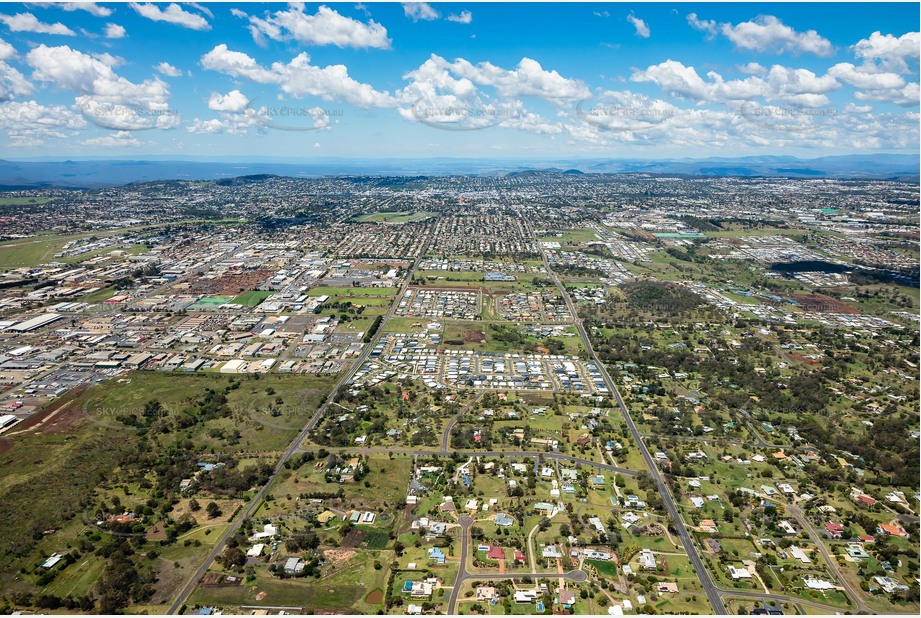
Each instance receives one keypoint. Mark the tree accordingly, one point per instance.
(213, 510)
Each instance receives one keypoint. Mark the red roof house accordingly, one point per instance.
(496, 553)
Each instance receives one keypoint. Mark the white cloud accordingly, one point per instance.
(799, 86)
(876, 85)
(233, 101)
(298, 77)
(28, 123)
(326, 27)
(909, 95)
(7, 51)
(237, 117)
(753, 68)
(767, 33)
(173, 14)
(859, 77)
(27, 22)
(237, 64)
(12, 82)
(235, 124)
(93, 78)
(527, 79)
(704, 25)
(120, 139)
(464, 17)
(167, 69)
(642, 30)
(445, 95)
(420, 11)
(89, 7)
(892, 53)
(114, 31)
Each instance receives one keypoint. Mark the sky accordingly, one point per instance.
(471, 80)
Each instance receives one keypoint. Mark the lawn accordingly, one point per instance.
(346, 590)
(23, 201)
(252, 298)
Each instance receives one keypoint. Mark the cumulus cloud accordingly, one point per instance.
(642, 30)
(464, 17)
(420, 11)
(93, 78)
(172, 14)
(29, 123)
(7, 51)
(167, 69)
(753, 68)
(298, 77)
(89, 7)
(233, 101)
(114, 31)
(890, 52)
(325, 27)
(237, 117)
(704, 25)
(799, 86)
(27, 22)
(765, 33)
(12, 82)
(528, 78)
(120, 139)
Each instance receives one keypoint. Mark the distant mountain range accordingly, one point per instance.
(89, 173)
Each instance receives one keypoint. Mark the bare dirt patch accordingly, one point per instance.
(156, 532)
(339, 555)
(375, 597)
(60, 416)
(822, 303)
(474, 336)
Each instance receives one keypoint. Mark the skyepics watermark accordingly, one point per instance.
(128, 117)
(291, 117)
(619, 116)
(460, 116)
(114, 417)
(790, 118)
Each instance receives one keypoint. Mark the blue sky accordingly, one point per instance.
(457, 79)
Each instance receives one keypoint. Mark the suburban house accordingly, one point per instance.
(647, 559)
(525, 596)
(739, 573)
(437, 555)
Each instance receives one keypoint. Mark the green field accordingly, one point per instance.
(345, 591)
(252, 298)
(42, 247)
(23, 201)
